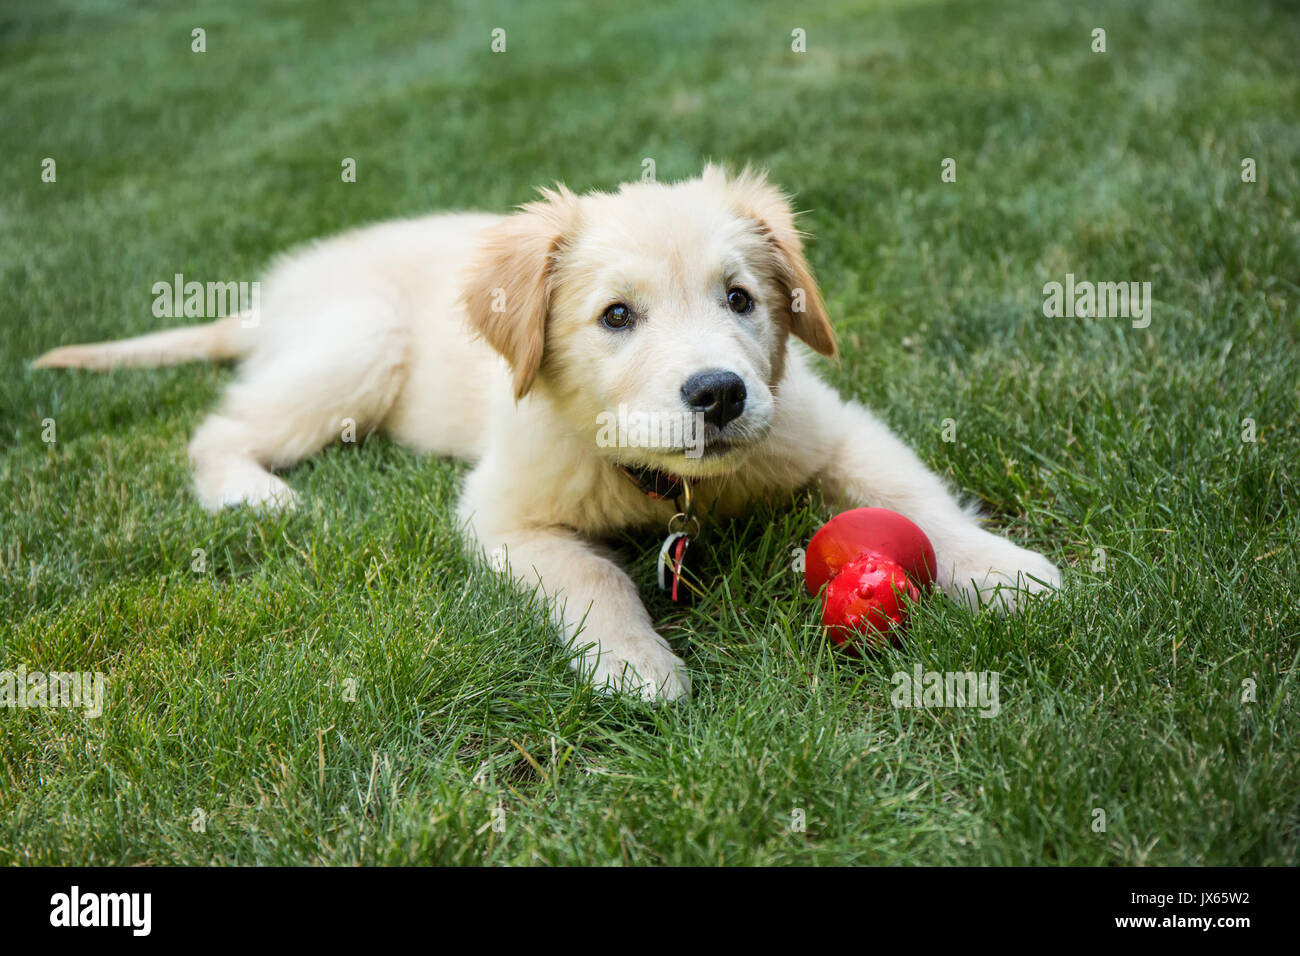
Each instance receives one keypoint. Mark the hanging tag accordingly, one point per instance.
(675, 576)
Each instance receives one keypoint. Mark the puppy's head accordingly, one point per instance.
(654, 319)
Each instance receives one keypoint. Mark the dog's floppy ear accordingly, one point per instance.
(507, 293)
(756, 199)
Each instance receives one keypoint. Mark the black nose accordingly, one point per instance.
(719, 395)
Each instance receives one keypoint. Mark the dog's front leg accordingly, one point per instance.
(596, 607)
(870, 466)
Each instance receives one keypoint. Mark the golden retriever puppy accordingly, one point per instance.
(526, 343)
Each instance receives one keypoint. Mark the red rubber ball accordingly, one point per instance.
(877, 530)
(867, 601)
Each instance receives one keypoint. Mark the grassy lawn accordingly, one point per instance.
(343, 686)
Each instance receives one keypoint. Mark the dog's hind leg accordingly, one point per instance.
(230, 453)
(292, 400)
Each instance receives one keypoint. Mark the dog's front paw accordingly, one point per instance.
(989, 571)
(641, 665)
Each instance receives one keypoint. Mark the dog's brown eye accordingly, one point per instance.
(738, 301)
(617, 316)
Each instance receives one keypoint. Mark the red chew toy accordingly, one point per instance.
(851, 533)
(870, 560)
(867, 598)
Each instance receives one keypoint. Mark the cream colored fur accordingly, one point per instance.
(479, 336)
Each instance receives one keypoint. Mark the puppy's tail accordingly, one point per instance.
(223, 339)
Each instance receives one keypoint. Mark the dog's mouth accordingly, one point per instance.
(718, 448)
(689, 448)
(715, 455)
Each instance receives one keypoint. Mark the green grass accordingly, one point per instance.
(227, 687)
